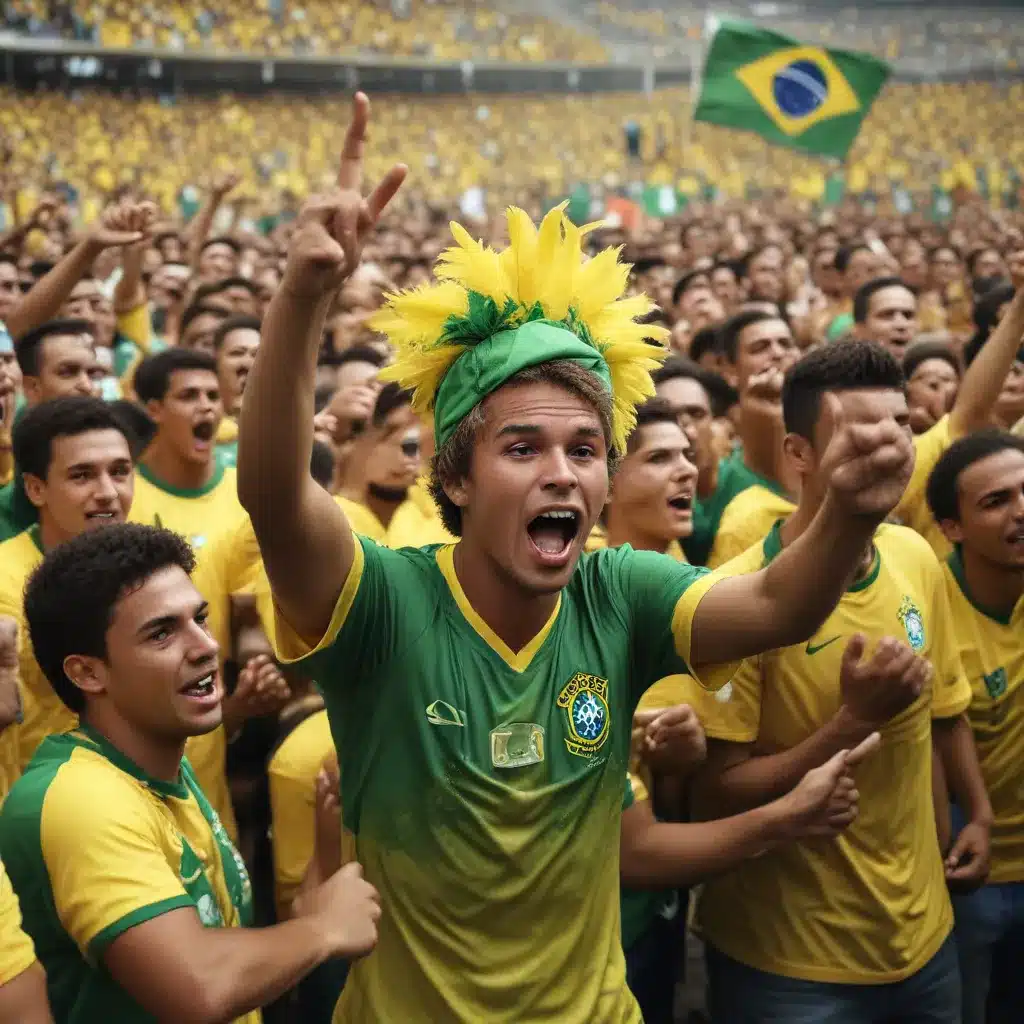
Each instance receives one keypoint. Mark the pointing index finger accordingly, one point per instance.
(350, 169)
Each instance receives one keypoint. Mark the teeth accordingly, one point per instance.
(558, 514)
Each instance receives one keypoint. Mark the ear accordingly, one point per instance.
(87, 673)
(728, 371)
(457, 493)
(952, 530)
(799, 454)
(35, 488)
(32, 389)
(154, 408)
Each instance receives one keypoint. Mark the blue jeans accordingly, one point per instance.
(990, 943)
(738, 994)
(654, 964)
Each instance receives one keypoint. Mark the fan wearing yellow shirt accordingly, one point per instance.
(234, 348)
(181, 485)
(77, 468)
(134, 895)
(987, 376)
(858, 928)
(885, 312)
(383, 468)
(976, 493)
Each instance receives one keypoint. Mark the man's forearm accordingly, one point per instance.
(276, 422)
(955, 744)
(23, 999)
(763, 778)
(671, 854)
(258, 965)
(43, 301)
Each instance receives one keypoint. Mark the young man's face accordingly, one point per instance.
(67, 366)
(654, 486)
(726, 287)
(10, 289)
(931, 391)
(989, 264)
(235, 359)
(764, 345)
(990, 495)
(538, 481)
(395, 460)
(89, 484)
(160, 672)
(87, 302)
(217, 261)
(863, 267)
(190, 413)
(199, 333)
(1009, 405)
(692, 406)
(764, 276)
(945, 268)
(167, 285)
(891, 319)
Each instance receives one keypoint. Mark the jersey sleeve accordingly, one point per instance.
(106, 861)
(733, 713)
(662, 596)
(951, 689)
(912, 509)
(367, 624)
(17, 953)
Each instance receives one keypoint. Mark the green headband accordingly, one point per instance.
(484, 367)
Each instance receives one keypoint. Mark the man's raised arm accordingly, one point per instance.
(868, 464)
(306, 543)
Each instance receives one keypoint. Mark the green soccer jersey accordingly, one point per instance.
(94, 847)
(484, 786)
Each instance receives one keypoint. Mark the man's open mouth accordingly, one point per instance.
(554, 531)
(682, 502)
(106, 516)
(203, 687)
(203, 431)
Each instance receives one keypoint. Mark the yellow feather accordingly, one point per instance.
(421, 371)
(475, 267)
(520, 258)
(419, 315)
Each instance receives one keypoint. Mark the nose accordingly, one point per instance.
(558, 471)
(84, 384)
(201, 645)
(105, 491)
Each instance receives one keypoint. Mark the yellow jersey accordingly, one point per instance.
(44, 713)
(198, 514)
(870, 906)
(747, 520)
(292, 772)
(17, 953)
(993, 657)
(913, 510)
(416, 522)
(88, 869)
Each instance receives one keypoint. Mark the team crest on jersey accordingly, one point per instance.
(585, 701)
(995, 683)
(910, 616)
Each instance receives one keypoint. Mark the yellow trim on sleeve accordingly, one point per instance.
(288, 646)
(518, 661)
(17, 951)
(711, 677)
(640, 791)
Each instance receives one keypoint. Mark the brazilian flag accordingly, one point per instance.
(805, 97)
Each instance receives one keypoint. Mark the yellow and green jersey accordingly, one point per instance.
(17, 954)
(44, 713)
(992, 652)
(196, 513)
(95, 847)
(871, 905)
(482, 784)
(734, 477)
(292, 773)
(746, 520)
(227, 442)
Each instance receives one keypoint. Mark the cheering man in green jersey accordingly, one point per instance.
(480, 694)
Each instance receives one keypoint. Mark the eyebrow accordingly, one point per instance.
(532, 428)
(169, 620)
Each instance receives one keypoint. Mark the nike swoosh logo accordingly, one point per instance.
(812, 649)
(442, 713)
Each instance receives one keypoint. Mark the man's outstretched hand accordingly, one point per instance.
(332, 228)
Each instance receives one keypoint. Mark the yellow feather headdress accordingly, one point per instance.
(537, 300)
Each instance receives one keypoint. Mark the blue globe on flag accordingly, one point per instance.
(800, 88)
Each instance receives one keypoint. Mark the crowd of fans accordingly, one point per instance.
(143, 245)
(590, 32)
(916, 139)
